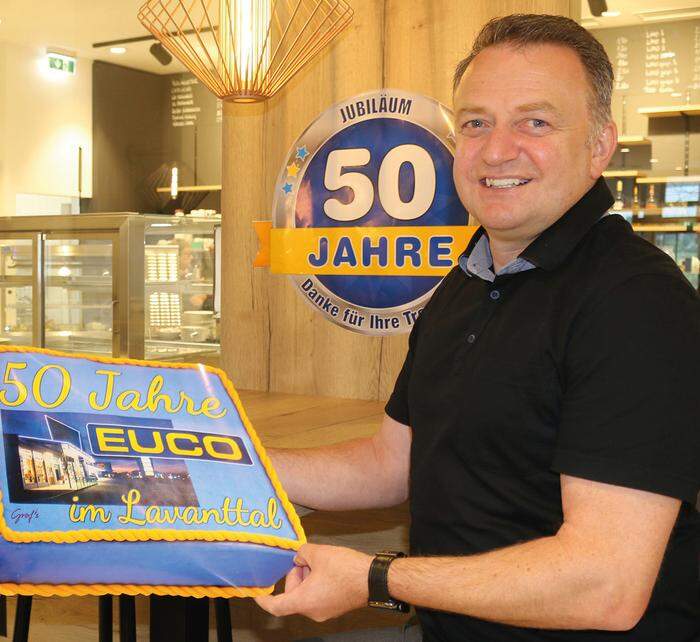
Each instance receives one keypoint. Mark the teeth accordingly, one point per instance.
(505, 182)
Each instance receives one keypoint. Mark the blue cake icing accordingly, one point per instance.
(124, 472)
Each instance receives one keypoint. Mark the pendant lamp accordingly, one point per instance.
(245, 50)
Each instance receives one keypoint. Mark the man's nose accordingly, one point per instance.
(501, 145)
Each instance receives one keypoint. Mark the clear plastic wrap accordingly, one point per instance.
(123, 476)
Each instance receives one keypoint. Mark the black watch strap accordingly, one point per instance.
(378, 582)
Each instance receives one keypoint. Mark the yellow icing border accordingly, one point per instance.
(65, 590)
(171, 535)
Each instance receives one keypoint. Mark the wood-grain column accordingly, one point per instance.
(271, 339)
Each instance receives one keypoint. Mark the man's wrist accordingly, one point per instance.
(394, 570)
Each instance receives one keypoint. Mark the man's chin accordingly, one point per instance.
(500, 221)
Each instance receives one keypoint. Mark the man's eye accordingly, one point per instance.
(475, 123)
(538, 123)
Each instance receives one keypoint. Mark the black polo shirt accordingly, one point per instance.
(585, 365)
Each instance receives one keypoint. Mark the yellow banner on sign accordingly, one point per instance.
(361, 251)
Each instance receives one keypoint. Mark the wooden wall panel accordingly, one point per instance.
(309, 354)
(425, 39)
(297, 349)
(273, 340)
(244, 294)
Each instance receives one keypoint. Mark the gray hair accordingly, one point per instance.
(523, 29)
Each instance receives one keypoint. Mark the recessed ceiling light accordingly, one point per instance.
(624, 150)
(653, 160)
(610, 14)
(117, 50)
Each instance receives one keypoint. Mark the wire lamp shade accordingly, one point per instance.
(245, 50)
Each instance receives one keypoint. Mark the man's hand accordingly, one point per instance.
(326, 582)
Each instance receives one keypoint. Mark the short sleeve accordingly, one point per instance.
(397, 406)
(631, 409)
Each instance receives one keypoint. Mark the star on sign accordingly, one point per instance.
(292, 170)
(302, 152)
(287, 188)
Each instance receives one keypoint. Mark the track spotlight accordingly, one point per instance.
(159, 52)
(597, 7)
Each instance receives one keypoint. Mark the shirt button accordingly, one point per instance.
(495, 295)
(471, 338)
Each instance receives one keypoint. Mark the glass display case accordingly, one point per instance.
(78, 293)
(17, 321)
(123, 285)
(665, 211)
(179, 287)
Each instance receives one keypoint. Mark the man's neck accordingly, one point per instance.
(504, 251)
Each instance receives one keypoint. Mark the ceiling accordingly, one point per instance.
(634, 12)
(75, 25)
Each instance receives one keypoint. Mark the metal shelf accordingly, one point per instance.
(60, 249)
(623, 173)
(183, 287)
(191, 188)
(660, 227)
(15, 281)
(633, 141)
(61, 306)
(92, 282)
(670, 111)
(669, 179)
(163, 350)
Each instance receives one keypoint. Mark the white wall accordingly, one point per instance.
(3, 128)
(44, 119)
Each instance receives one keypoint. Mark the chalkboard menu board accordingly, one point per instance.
(655, 65)
(193, 133)
(657, 59)
(190, 102)
(183, 111)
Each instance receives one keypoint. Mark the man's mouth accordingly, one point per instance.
(504, 183)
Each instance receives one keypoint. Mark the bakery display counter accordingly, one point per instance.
(118, 284)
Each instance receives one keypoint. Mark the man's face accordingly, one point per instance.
(522, 121)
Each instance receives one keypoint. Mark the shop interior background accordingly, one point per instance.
(107, 137)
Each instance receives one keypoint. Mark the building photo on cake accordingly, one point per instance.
(50, 460)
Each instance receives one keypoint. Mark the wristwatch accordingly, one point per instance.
(378, 583)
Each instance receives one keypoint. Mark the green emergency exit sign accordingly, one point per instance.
(59, 62)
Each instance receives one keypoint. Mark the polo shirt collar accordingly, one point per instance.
(551, 247)
(477, 260)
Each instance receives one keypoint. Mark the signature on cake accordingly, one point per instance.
(20, 515)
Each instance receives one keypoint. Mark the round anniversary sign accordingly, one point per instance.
(367, 194)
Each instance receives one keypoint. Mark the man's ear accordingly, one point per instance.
(602, 149)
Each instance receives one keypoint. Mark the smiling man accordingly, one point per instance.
(545, 422)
